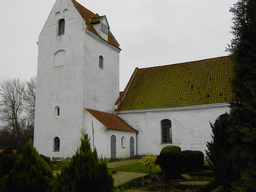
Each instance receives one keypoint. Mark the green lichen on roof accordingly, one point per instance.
(177, 85)
(95, 20)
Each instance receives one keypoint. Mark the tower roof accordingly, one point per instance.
(89, 16)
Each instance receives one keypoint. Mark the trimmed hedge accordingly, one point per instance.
(194, 160)
(171, 161)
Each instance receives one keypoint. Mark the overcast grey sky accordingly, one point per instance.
(150, 32)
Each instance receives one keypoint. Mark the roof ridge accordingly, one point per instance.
(191, 83)
(111, 120)
(86, 14)
(183, 63)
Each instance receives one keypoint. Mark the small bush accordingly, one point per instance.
(85, 171)
(171, 161)
(1, 155)
(47, 160)
(7, 163)
(8, 150)
(194, 160)
(219, 150)
(19, 151)
(148, 161)
(30, 173)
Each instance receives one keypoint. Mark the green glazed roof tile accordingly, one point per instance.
(185, 84)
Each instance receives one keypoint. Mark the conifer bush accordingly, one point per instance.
(8, 150)
(30, 173)
(219, 152)
(7, 163)
(171, 161)
(85, 171)
(243, 104)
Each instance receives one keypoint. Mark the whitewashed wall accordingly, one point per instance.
(101, 86)
(101, 138)
(190, 126)
(68, 76)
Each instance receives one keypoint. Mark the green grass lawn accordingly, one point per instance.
(138, 168)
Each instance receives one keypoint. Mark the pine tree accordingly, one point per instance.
(30, 173)
(85, 171)
(243, 105)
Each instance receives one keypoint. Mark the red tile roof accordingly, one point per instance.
(191, 83)
(87, 15)
(111, 121)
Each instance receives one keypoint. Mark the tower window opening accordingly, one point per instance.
(61, 27)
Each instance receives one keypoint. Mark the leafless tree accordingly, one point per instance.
(30, 100)
(12, 107)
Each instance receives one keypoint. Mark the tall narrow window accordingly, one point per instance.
(57, 112)
(123, 142)
(166, 128)
(56, 144)
(61, 27)
(104, 28)
(101, 62)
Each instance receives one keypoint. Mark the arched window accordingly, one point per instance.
(166, 128)
(57, 112)
(101, 62)
(123, 142)
(56, 144)
(61, 27)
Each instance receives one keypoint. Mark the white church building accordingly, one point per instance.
(78, 89)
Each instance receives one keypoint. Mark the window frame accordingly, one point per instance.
(123, 142)
(101, 62)
(56, 144)
(104, 28)
(166, 131)
(61, 27)
(57, 112)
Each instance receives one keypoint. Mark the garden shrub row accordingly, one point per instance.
(84, 172)
(174, 162)
(194, 160)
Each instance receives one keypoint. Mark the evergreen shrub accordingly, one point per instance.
(8, 150)
(19, 151)
(85, 171)
(7, 163)
(30, 173)
(194, 160)
(219, 152)
(47, 160)
(171, 161)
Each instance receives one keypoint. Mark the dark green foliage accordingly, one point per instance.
(243, 105)
(218, 152)
(19, 151)
(1, 155)
(8, 150)
(194, 160)
(47, 160)
(85, 171)
(211, 186)
(30, 173)
(7, 163)
(171, 161)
